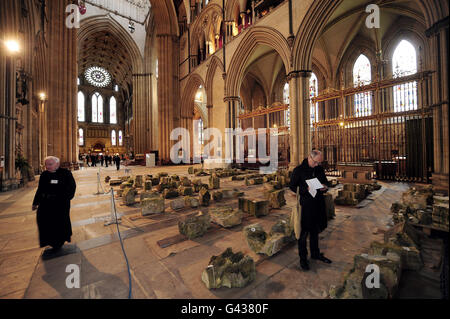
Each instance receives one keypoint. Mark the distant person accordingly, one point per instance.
(52, 201)
(117, 161)
(106, 160)
(102, 160)
(313, 213)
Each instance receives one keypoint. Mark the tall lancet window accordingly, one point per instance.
(120, 138)
(81, 117)
(287, 113)
(80, 137)
(113, 138)
(362, 75)
(97, 108)
(113, 110)
(200, 132)
(313, 91)
(404, 62)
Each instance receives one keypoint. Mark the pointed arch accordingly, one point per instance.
(256, 36)
(215, 65)
(193, 83)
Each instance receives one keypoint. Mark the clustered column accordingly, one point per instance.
(300, 138)
(168, 92)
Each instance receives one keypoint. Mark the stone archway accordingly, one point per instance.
(255, 37)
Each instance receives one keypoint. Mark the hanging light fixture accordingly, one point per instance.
(131, 26)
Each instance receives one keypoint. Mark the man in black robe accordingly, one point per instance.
(117, 161)
(52, 201)
(313, 214)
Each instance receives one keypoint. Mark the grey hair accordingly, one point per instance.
(53, 158)
(315, 153)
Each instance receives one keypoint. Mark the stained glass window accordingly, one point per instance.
(80, 137)
(81, 107)
(113, 138)
(120, 138)
(97, 108)
(313, 92)
(287, 113)
(404, 63)
(200, 131)
(113, 110)
(362, 75)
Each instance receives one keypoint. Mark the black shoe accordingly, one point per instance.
(304, 264)
(321, 257)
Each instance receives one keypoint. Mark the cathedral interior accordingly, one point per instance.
(209, 106)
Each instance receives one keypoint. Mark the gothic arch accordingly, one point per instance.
(201, 27)
(106, 24)
(214, 63)
(310, 30)
(255, 36)
(165, 17)
(192, 85)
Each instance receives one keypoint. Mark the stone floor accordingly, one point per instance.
(174, 271)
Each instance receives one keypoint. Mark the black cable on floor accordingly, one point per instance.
(123, 249)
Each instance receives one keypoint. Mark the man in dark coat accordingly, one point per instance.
(313, 214)
(117, 161)
(52, 201)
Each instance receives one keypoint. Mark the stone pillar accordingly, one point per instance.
(232, 113)
(210, 115)
(142, 113)
(300, 138)
(168, 92)
(9, 27)
(62, 91)
(438, 36)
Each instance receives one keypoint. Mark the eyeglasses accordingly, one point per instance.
(315, 162)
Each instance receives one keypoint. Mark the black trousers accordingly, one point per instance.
(313, 244)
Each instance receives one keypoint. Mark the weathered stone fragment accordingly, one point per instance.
(259, 208)
(214, 182)
(128, 196)
(204, 197)
(217, 196)
(276, 199)
(154, 205)
(409, 256)
(229, 270)
(147, 194)
(190, 170)
(185, 182)
(148, 185)
(185, 191)
(195, 226)
(170, 193)
(226, 216)
(107, 179)
(418, 197)
(155, 181)
(138, 181)
(177, 204)
(115, 182)
(191, 201)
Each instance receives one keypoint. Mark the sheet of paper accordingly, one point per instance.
(314, 185)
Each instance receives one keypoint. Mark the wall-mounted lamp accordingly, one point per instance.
(12, 46)
(42, 96)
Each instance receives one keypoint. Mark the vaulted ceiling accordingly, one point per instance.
(105, 50)
(348, 23)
